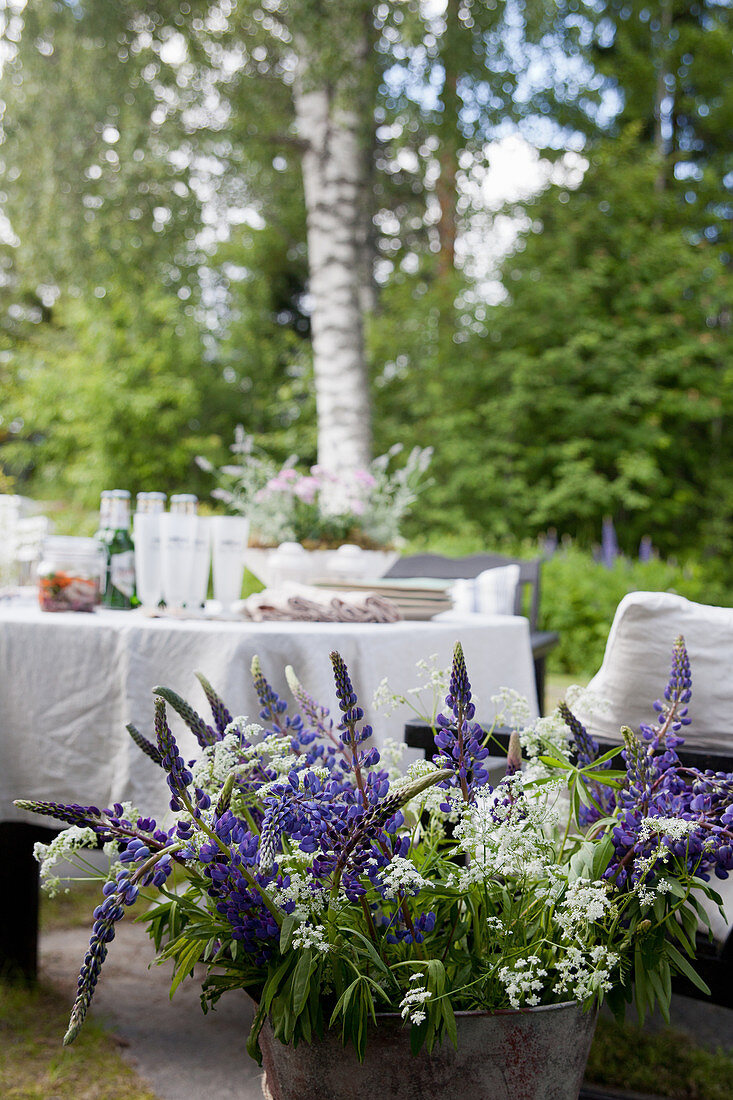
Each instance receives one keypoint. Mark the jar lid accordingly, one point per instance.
(69, 544)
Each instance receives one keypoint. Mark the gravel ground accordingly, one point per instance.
(181, 1053)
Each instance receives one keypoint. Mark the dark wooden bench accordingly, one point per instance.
(713, 960)
(526, 601)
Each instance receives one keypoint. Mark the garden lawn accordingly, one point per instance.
(35, 1066)
(665, 1063)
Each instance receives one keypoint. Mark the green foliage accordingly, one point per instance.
(32, 1067)
(580, 597)
(117, 391)
(665, 1063)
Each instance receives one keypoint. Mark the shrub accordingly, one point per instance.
(580, 597)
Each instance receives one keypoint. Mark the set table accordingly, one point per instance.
(69, 684)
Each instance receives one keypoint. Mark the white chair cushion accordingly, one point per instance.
(635, 671)
(492, 592)
(637, 663)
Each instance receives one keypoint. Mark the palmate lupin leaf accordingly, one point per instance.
(143, 744)
(204, 734)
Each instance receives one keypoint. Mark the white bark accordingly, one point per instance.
(332, 165)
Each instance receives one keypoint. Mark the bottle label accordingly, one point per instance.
(122, 572)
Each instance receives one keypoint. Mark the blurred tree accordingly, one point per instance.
(608, 387)
(100, 286)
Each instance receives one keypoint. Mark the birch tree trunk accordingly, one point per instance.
(332, 163)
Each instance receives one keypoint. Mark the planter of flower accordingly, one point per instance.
(358, 512)
(533, 1053)
(292, 562)
(416, 930)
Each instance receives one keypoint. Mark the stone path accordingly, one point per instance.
(181, 1053)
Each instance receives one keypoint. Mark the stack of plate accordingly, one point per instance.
(416, 597)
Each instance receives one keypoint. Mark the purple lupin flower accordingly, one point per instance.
(143, 744)
(459, 739)
(272, 705)
(178, 775)
(609, 543)
(219, 712)
(646, 548)
(87, 817)
(352, 734)
(106, 916)
(586, 751)
(203, 733)
(120, 892)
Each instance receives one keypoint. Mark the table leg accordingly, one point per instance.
(19, 898)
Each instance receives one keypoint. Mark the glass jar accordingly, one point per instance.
(70, 574)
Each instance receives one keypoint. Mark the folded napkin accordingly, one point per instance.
(304, 603)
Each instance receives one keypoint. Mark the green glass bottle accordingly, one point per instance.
(120, 588)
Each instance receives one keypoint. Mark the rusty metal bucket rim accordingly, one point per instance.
(464, 1013)
(468, 1013)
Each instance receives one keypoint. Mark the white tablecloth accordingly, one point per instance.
(70, 683)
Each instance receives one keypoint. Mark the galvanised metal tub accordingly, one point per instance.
(529, 1054)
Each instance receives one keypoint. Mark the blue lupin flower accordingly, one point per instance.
(219, 712)
(459, 739)
(178, 775)
(586, 751)
(117, 894)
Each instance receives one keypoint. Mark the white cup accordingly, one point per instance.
(201, 562)
(146, 536)
(229, 536)
(178, 533)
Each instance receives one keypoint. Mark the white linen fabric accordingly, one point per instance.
(69, 683)
(492, 592)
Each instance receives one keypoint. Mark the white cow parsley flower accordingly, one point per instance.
(412, 1002)
(523, 982)
(64, 846)
(313, 937)
(401, 876)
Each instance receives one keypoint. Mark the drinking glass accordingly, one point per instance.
(178, 548)
(201, 562)
(229, 535)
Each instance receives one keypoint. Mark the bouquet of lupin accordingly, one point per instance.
(331, 887)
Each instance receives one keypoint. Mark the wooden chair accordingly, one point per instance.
(526, 602)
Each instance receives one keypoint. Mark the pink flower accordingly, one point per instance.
(278, 484)
(323, 474)
(363, 477)
(306, 489)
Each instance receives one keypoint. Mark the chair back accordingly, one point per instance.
(445, 568)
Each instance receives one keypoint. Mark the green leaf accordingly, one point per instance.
(682, 965)
(553, 762)
(301, 981)
(253, 1047)
(450, 1021)
(287, 928)
(186, 963)
(602, 854)
(342, 1004)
